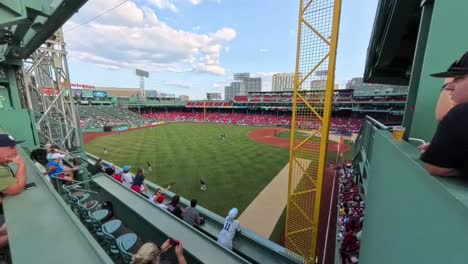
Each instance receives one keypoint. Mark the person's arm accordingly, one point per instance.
(197, 219)
(439, 171)
(179, 250)
(166, 245)
(444, 156)
(20, 176)
(167, 188)
(50, 168)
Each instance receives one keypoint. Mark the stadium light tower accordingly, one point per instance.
(142, 75)
(45, 88)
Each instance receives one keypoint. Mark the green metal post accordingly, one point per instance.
(446, 43)
(424, 26)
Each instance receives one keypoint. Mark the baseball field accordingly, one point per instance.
(235, 169)
(242, 170)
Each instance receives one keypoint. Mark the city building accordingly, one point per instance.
(243, 84)
(251, 85)
(184, 98)
(282, 82)
(232, 90)
(241, 76)
(354, 82)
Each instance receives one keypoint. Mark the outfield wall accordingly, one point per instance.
(122, 128)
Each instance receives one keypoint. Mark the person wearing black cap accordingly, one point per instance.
(9, 183)
(447, 154)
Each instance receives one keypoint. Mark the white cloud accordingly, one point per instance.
(264, 74)
(164, 4)
(263, 50)
(292, 33)
(179, 84)
(133, 37)
(195, 2)
(219, 85)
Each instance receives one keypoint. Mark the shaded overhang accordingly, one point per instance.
(393, 42)
(27, 24)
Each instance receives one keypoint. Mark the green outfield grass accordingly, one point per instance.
(235, 169)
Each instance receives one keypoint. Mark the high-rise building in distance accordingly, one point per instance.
(243, 84)
(282, 82)
(232, 90)
(241, 76)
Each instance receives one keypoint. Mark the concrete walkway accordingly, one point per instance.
(263, 213)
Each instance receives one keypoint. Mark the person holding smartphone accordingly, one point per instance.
(150, 253)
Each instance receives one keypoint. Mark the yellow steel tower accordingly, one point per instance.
(313, 93)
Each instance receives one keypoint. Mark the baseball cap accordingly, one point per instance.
(8, 141)
(57, 156)
(233, 213)
(459, 67)
(117, 171)
(109, 165)
(126, 168)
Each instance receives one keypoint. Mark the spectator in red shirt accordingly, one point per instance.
(118, 175)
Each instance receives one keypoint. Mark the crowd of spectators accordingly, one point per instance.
(100, 116)
(351, 216)
(190, 215)
(337, 123)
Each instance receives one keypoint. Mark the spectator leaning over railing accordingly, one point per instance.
(10, 184)
(447, 154)
(127, 178)
(230, 228)
(150, 253)
(139, 184)
(191, 216)
(174, 206)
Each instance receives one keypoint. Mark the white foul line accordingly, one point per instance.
(329, 216)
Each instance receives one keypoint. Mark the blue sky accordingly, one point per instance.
(193, 46)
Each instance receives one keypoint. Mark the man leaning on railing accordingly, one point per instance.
(9, 183)
(447, 154)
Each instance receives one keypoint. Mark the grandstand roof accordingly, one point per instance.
(392, 44)
(118, 91)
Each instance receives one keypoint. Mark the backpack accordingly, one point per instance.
(108, 205)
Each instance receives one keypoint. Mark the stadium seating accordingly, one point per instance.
(351, 216)
(100, 116)
(337, 124)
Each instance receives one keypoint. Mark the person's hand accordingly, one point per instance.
(17, 160)
(166, 245)
(179, 250)
(422, 148)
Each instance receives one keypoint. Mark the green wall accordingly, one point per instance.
(411, 217)
(447, 41)
(18, 123)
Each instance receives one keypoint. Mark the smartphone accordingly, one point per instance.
(174, 242)
(30, 185)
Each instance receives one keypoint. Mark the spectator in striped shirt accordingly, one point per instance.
(10, 184)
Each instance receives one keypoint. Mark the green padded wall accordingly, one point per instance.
(447, 41)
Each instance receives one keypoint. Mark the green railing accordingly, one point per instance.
(411, 216)
(363, 151)
(247, 244)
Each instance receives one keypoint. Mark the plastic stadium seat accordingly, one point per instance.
(112, 226)
(125, 243)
